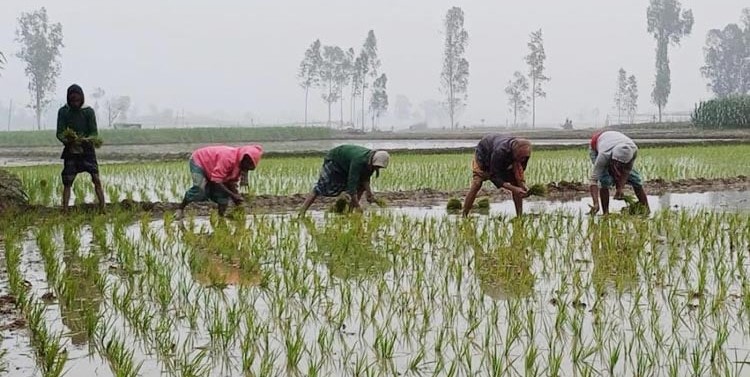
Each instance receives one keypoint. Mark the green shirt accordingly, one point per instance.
(355, 161)
(82, 121)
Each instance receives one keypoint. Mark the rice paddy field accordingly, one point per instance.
(388, 292)
(167, 181)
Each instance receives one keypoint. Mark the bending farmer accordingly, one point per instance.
(501, 160)
(78, 155)
(613, 156)
(348, 168)
(216, 172)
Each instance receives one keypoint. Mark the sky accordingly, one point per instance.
(238, 59)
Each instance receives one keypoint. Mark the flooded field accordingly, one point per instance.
(402, 291)
(405, 290)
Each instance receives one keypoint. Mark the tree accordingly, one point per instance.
(668, 23)
(117, 107)
(455, 75)
(359, 70)
(331, 65)
(2, 61)
(631, 98)
(343, 75)
(309, 70)
(379, 99)
(97, 94)
(535, 59)
(40, 49)
(727, 56)
(621, 94)
(371, 64)
(518, 95)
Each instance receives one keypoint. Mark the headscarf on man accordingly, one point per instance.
(521, 149)
(380, 159)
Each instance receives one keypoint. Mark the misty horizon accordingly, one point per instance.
(237, 63)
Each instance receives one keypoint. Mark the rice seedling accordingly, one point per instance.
(454, 205)
(386, 292)
(537, 190)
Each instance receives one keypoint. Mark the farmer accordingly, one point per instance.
(216, 171)
(78, 157)
(348, 168)
(613, 155)
(501, 160)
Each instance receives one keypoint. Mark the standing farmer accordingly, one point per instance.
(216, 172)
(78, 157)
(613, 156)
(501, 160)
(348, 168)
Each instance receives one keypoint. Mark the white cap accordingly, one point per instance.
(624, 152)
(381, 159)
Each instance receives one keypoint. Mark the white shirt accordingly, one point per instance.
(605, 144)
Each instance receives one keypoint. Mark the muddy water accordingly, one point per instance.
(402, 270)
(724, 201)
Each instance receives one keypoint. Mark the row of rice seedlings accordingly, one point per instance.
(80, 288)
(166, 181)
(49, 350)
(387, 293)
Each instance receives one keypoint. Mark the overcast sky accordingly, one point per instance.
(242, 56)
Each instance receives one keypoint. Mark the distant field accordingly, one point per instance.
(173, 135)
(230, 135)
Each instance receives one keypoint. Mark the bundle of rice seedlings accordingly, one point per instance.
(633, 206)
(483, 204)
(73, 137)
(537, 190)
(454, 205)
(340, 206)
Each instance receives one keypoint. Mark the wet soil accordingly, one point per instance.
(556, 191)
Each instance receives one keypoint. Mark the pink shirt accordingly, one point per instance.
(218, 163)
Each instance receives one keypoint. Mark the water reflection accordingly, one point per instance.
(216, 259)
(615, 246)
(81, 298)
(504, 270)
(345, 245)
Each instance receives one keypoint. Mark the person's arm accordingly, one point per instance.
(60, 126)
(476, 185)
(227, 188)
(600, 164)
(367, 190)
(497, 164)
(355, 172)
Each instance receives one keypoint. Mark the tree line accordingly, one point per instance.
(355, 75)
(333, 71)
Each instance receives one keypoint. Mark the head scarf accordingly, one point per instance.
(75, 89)
(381, 159)
(255, 152)
(521, 149)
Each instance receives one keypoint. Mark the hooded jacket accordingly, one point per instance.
(222, 163)
(81, 120)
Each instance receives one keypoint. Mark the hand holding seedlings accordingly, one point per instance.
(501, 160)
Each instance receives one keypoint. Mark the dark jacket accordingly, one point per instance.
(355, 161)
(82, 121)
(495, 157)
